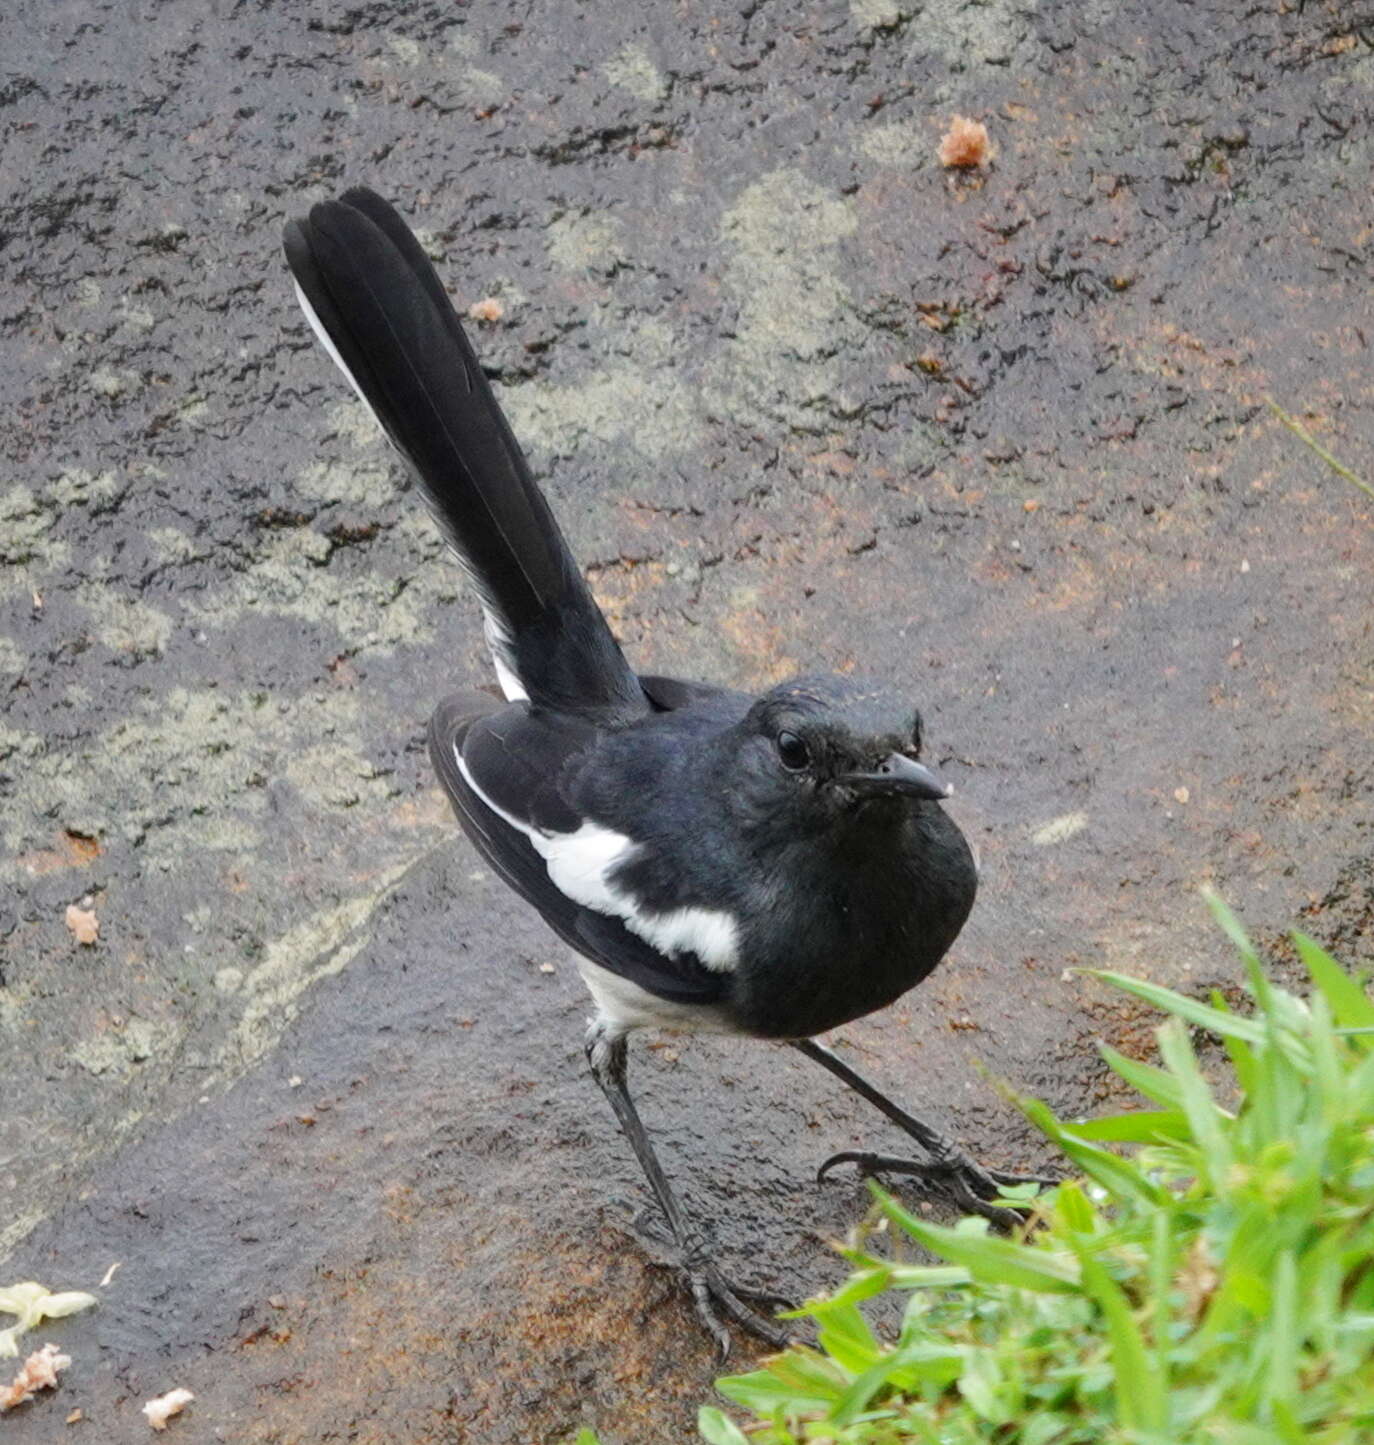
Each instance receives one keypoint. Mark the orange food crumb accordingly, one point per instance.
(489, 309)
(965, 143)
(84, 925)
(38, 1372)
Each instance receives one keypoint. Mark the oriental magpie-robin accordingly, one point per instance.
(770, 866)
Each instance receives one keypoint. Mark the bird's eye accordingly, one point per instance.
(794, 753)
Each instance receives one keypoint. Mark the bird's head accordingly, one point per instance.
(832, 747)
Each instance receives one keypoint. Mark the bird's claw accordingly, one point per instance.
(972, 1187)
(769, 1297)
(710, 1290)
(713, 1295)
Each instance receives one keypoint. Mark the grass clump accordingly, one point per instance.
(1211, 1283)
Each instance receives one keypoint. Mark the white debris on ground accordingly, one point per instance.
(162, 1409)
(34, 1303)
(84, 925)
(38, 1372)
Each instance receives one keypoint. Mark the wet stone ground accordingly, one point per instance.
(801, 397)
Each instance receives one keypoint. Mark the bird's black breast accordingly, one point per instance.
(845, 932)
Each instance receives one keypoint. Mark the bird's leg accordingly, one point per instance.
(949, 1168)
(606, 1053)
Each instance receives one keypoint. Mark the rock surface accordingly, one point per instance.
(800, 396)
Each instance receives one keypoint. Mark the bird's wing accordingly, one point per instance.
(500, 767)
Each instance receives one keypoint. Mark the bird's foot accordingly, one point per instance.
(972, 1187)
(714, 1295)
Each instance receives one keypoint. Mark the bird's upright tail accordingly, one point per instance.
(381, 312)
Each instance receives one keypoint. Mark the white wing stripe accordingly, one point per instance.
(580, 865)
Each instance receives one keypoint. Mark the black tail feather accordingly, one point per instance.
(372, 295)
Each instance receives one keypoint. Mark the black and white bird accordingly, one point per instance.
(772, 866)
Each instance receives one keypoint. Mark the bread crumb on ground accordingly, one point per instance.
(965, 143)
(162, 1409)
(85, 926)
(38, 1372)
(488, 309)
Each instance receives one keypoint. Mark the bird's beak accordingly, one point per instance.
(897, 774)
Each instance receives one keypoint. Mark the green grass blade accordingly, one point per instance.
(1242, 1056)
(1156, 1084)
(1123, 1178)
(988, 1259)
(845, 1336)
(1145, 1126)
(926, 1358)
(717, 1428)
(800, 1378)
(1284, 1332)
(982, 1386)
(928, 1276)
(1327, 1074)
(1075, 1209)
(1350, 1004)
(1309, 441)
(863, 1284)
(1205, 1118)
(1225, 1025)
(1141, 1398)
(1232, 928)
(1163, 1257)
